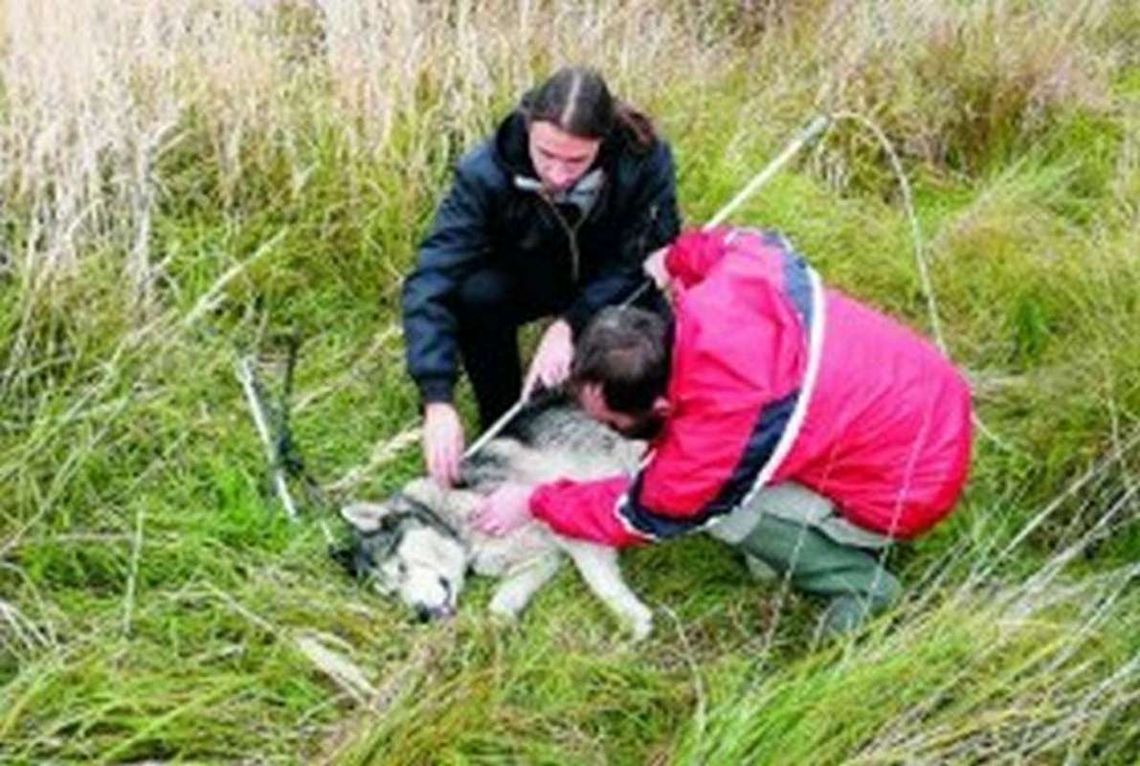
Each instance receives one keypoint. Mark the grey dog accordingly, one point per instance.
(418, 545)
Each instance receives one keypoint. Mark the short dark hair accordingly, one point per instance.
(627, 352)
(578, 101)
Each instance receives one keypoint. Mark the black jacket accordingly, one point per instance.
(486, 221)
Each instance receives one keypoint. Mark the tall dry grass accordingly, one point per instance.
(96, 94)
(116, 115)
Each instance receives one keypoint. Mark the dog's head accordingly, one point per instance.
(407, 549)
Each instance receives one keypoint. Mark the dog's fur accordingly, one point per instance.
(419, 544)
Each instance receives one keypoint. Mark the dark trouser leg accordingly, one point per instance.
(857, 584)
(488, 342)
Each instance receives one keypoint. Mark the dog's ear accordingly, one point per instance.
(365, 517)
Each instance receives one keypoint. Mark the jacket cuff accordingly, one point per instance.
(436, 390)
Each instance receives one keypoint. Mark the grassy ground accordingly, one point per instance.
(185, 180)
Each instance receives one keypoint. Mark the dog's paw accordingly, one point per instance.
(503, 607)
(641, 624)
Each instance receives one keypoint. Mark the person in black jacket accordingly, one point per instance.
(550, 217)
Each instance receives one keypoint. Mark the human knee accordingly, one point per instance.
(885, 590)
(483, 293)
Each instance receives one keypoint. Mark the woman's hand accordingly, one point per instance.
(654, 268)
(551, 363)
(443, 442)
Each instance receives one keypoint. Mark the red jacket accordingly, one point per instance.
(773, 378)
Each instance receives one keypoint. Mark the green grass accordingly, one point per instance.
(155, 604)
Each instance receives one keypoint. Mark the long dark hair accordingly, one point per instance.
(577, 100)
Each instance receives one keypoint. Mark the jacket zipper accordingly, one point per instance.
(571, 235)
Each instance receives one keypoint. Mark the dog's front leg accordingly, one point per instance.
(521, 582)
(599, 567)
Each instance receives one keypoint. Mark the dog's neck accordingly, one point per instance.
(453, 507)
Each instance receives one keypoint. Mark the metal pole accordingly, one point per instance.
(245, 375)
(496, 427)
(806, 135)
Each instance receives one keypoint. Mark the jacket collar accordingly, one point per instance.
(582, 195)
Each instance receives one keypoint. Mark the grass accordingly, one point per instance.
(182, 181)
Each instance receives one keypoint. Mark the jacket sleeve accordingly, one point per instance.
(653, 222)
(670, 496)
(681, 488)
(731, 394)
(455, 244)
(586, 510)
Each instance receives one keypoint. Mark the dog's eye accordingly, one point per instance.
(446, 585)
(392, 572)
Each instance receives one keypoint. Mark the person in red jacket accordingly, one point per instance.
(789, 420)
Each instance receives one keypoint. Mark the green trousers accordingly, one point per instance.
(793, 534)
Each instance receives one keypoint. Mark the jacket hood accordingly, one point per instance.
(510, 145)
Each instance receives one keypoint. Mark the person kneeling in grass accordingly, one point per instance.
(798, 425)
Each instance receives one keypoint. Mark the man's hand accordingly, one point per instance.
(443, 442)
(505, 510)
(654, 268)
(551, 363)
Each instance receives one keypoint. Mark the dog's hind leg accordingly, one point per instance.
(521, 582)
(599, 567)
